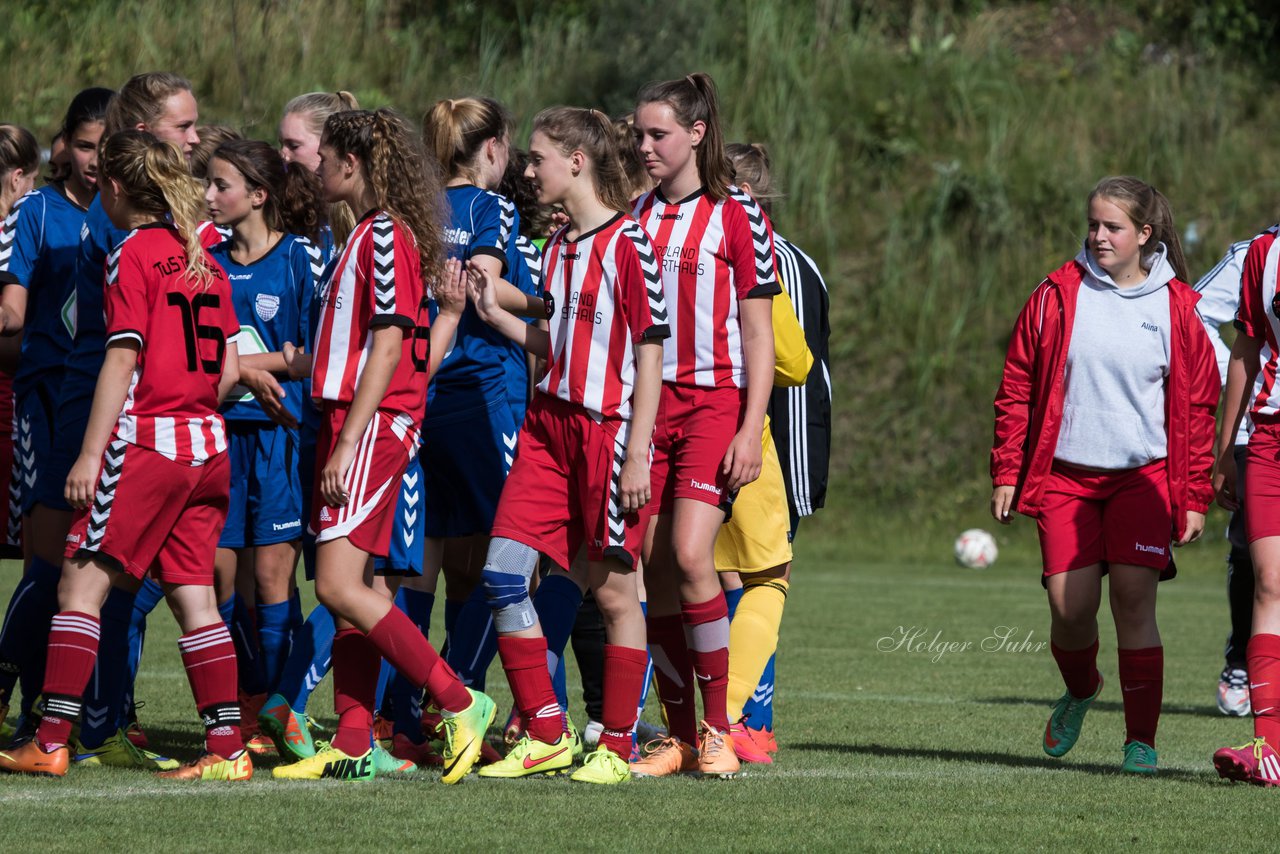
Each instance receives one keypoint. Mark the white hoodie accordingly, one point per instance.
(1117, 366)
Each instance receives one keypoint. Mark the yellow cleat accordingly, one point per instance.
(211, 766)
(118, 752)
(464, 734)
(603, 767)
(329, 763)
(530, 757)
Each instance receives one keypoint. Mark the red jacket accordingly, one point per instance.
(1029, 401)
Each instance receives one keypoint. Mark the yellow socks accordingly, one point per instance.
(753, 638)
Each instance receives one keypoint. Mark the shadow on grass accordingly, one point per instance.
(1010, 759)
(1105, 705)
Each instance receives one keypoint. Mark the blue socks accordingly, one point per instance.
(148, 597)
(24, 640)
(273, 639)
(105, 708)
(557, 600)
(308, 660)
(472, 640)
(244, 635)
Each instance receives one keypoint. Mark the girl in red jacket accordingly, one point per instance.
(1104, 434)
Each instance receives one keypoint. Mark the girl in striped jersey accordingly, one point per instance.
(154, 444)
(581, 471)
(274, 218)
(800, 428)
(1104, 434)
(371, 361)
(716, 252)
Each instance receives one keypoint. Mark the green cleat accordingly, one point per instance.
(464, 733)
(1139, 758)
(574, 737)
(603, 767)
(530, 757)
(1063, 728)
(287, 729)
(118, 752)
(329, 763)
(387, 765)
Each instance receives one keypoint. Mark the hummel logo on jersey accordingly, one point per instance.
(705, 487)
(675, 216)
(347, 769)
(1151, 327)
(1155, 550)
(571, 256)
(73, 539)
(325, 516)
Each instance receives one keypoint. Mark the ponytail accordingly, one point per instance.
(1146, 206)
(18, 150)
(455, 129)
(591, 132)
(693, 99)
(153, 177)
(638, 180)
(751, 166)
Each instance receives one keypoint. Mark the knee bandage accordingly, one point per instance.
(507, 572)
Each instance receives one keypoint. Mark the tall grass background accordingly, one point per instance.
(935, 156)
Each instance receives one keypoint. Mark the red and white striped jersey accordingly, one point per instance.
(182, 331)
(607, 295)
(712, 254)
(1259, 316)
(377, 281)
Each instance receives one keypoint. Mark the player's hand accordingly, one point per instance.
(558, 220)
(1195, 527)
(742, 460)
(483, 291)
(451, 291)
(634, 483)
(81, 482)
(1002, 504)
(297, 360)
(333, 476)
(266, 389)
(1225, 480)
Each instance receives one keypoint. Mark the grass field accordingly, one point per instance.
(881, 748)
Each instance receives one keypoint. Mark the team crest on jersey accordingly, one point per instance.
(266, 305)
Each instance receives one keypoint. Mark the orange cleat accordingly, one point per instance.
(716, 757)
(31, 758)
(746, 747)
(211, 766)
(664, 757)
(383, 729)
(765, 738)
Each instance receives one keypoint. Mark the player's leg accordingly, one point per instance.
(1233, 682)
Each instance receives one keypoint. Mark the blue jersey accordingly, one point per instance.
(88, 315)
(524, 264)
(474, 369)
(38, 248)
(272, 298)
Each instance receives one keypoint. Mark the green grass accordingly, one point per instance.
(880, 749)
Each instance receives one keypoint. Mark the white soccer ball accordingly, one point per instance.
(976, 549)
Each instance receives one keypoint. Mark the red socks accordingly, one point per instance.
(209, 657)
(525, 660)
(706, 628)
(402, 644)
(1079, 668)
(673, 671)
(1264, 686)
(1142, 684)
(73, 650)
(623, 680)
(356, 663)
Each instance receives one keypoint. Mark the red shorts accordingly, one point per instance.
(690, 438)
(1262, 483)
(372, 482)
(563, 488)
(169, 519)
(1090, 517)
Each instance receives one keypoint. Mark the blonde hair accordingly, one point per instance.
(454, 129)
(140, 100)
(591, 132)
(316, 107)
(1145, 205)
(693, 99)
(18, 150)
(403, 179)
(751, 166)
(153, 176)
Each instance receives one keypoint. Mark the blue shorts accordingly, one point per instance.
(404, 555)
(70, 418)
(266, 495)
(465, 459)
(33, 421)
